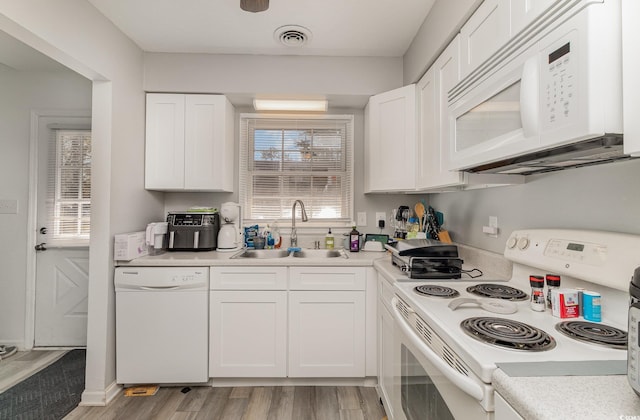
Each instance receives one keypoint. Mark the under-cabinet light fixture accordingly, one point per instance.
(319, 105)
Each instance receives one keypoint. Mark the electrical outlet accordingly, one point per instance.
(8, 206)
(380, 215)
(362, 218)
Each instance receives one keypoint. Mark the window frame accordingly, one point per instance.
(245, 174)
(54, 199)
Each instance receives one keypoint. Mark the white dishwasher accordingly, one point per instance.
(162, 325)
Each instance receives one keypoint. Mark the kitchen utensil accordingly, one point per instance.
(444, 236)
(432, 224)
(419, 208)
(497, 306)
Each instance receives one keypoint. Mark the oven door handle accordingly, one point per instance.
(463, 382)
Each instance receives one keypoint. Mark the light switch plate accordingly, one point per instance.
(362, 218)
(8, 206)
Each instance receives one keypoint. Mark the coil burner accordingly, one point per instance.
(436, 291)
(497, 291)
(590, 332)
(508, 334)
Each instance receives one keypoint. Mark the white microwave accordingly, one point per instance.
(550, 99)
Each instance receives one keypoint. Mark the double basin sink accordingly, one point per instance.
(283, 253)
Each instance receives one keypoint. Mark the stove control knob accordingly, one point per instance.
(512, 242)
(523, 243)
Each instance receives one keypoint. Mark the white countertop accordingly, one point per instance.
(213, 258)
(569, 397)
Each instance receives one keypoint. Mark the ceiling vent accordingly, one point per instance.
(292, 35)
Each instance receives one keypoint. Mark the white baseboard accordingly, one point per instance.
(100, 398)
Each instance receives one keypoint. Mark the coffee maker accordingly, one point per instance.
(230, 237)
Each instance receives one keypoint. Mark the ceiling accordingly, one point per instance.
(376, 28)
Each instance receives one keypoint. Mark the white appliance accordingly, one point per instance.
(550, 99)
(155, 235)
(230, 237)
(444, 372)
(162, 328)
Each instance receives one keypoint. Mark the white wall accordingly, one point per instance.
(603, 197)
(347, 81)
(438, 29)
(21, 93)
(77, 35)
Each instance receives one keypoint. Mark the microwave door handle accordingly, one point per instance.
(529, 105)
(465, 383)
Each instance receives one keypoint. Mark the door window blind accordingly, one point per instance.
(69, 188)
(285, 159)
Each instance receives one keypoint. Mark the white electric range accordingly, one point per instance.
(445, 372)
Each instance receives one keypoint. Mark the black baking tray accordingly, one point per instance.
(423, 248)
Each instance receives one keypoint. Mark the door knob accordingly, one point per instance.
(41, 247)
(43, 230)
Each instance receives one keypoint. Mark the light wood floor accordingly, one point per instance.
(23, 364)
(247, 403)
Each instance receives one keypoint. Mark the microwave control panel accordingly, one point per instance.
(558, 83)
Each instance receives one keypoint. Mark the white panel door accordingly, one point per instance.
(62, 273)
(248, 333)
(326, 334)
(523, 12)
(164, 141)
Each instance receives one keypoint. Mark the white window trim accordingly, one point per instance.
(311, 226)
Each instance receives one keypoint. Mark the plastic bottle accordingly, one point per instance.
(553, 282)
(329, 240)
(354, 240)
(537, 293)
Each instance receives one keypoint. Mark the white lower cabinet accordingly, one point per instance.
(504, 411)
(248, 333)
(386, 348)
(304, 322)
(326, 334)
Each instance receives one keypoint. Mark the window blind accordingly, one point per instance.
(69, 187)
(285, 159)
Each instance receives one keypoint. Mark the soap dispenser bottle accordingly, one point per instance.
(329, 240)
(354, 240)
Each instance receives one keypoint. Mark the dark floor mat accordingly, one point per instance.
(50, 394)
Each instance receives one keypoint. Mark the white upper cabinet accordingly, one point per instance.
(189, 143)
(390, 140)
(483, 34)
(433, 148)
(523, 12)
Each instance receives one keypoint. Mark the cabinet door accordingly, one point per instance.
(248, 278)
(391, 141)
(386, 351)
(434, 120)
(326, 334)
(524, 12)
(207, 160)
(164, 142)
(483, 34)
(630, 79)
(504, 411)
(248, 334)
(327, 278)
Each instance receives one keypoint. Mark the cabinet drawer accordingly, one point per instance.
(248, 278)
(327, 278)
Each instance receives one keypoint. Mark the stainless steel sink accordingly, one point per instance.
(262, 253)
(320, 253)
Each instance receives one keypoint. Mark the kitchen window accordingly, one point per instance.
(283, 159)
(69, 187)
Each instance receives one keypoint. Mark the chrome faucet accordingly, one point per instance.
(294, 233)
